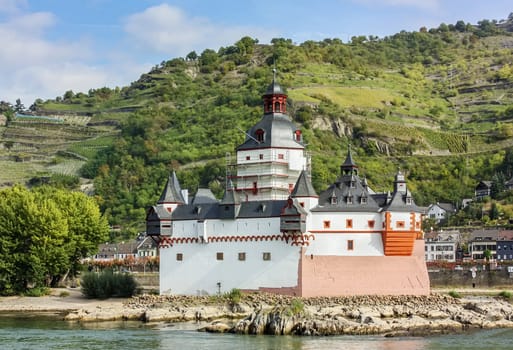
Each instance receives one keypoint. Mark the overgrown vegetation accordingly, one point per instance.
(108, 284)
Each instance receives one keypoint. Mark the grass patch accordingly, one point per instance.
(296, 307)
(37, 292)
(64, 294)
(455, 294)
(505, 294)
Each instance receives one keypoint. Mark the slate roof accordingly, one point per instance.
(278, 132)
(303, 187)
(172, 192)
(251, 209)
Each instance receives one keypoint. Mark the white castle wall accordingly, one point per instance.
(201, 273)
(364, 244)
(218, 228)
(338, 221)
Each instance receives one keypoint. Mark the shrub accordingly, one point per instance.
(235, 295)
(455, 294)
(37, 292)
(296, 307)
(505, 294)
(64, 294)
(108, 284)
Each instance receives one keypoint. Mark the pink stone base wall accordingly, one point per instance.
(386, 275)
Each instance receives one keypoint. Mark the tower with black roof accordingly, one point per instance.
(273, 154)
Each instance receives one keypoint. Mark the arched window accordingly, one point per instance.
(277, 107)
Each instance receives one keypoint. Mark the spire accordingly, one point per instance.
(172, 192)
(349, 167)
(303, 187)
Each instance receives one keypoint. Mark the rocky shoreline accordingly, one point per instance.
(283, 315)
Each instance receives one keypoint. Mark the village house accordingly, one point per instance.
(483, 189)
(440, 211)
(482, 240)
(505, 246)
(442, 246)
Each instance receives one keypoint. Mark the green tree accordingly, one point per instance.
(43, 235)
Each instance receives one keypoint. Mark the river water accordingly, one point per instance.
(46, 332)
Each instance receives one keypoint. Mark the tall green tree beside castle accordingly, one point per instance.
(44, 233)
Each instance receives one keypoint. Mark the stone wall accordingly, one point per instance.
(483, 279)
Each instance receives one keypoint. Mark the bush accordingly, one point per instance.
(505, 294)
(296, 307)
(108, 284)
(455, 294)
(37, 292)
(235, 295)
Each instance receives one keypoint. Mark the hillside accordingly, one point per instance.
(437, 103)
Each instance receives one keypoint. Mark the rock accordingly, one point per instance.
(216, 327)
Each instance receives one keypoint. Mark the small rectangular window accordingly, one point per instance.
(349, 223)
(242, 256)
(280, 156)
(261, 156)
(179, 256)
(266, 256)
(219, 256)
(400, 224)
(248, 157)
(371, 223)
(350, 244)
(327, 224)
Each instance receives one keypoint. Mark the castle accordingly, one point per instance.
(272, 232)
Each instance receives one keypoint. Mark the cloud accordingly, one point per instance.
(12, 6)
(422, 4)
(33, 67)
(167, 29)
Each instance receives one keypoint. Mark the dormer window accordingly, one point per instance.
(297, 135)
(353, 184)
(408, 200)
(349, 200)
(259, 135)
(363, 200)
(333, 200)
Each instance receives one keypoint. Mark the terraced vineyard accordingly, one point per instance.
(38, 146)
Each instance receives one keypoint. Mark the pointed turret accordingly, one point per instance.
(172, 193)
(399, 182)
(349, 167)
(303, 187)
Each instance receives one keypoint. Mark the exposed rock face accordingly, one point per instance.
(337, 126)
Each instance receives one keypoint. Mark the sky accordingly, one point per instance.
(48, 47)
